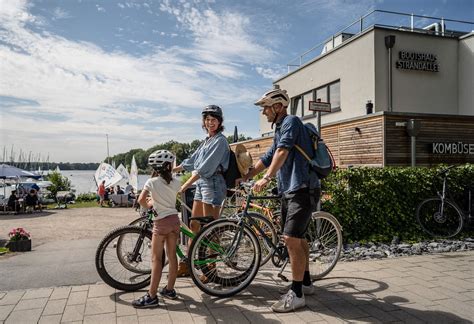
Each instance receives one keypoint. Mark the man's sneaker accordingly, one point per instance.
(307, 290)
(170, 294)
(183, 270)
(146, 302)
(288, 303)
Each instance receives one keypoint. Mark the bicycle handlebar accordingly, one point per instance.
(446, 170)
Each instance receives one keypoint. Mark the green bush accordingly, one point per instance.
(379, 203)
(86, 197)
(60, 183)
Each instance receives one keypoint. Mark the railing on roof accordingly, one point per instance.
(369, 20)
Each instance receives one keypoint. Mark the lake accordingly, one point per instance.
(83, 180)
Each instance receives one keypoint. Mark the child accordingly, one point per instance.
(163, 188)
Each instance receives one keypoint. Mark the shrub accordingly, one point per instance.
(60, 183)
(86, 197)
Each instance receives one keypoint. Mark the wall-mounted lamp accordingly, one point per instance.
(357, 129)
(257, 145)
(369, 107)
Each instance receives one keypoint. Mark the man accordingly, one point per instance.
(128, 189)
(298, 187)
(101, 193)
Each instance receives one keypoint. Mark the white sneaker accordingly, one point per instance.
(307, 290)
(288, 303)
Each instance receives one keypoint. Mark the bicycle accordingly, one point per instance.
(441, 216)
(324, 237)
(123, 257)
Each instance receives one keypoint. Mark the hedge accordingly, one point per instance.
(380, 203)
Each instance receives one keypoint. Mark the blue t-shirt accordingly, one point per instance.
(295, 173)
(211, 156)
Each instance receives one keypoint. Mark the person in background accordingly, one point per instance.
(128, 188)
(119, 190)
(207, 164)
(101, 193)
(13, 202)
(299, 187)
(32, 201)
(163, 188)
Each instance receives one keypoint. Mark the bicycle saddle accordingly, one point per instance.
(202, 220)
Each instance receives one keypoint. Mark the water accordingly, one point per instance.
(83, 180)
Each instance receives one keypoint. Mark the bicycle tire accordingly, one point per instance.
(324, 236)
(224, 277)
(439, 223)
(117, 275)
(269, 229)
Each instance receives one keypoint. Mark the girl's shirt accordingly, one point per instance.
(210, 157)
(163, 195)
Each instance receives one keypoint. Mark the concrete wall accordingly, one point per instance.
(466, 75)
(417, 91)
(352, 63)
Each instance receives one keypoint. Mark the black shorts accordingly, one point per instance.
(296, 210)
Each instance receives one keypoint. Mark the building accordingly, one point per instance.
(398, 95)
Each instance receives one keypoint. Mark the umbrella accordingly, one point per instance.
(8, 171)
(236, 135)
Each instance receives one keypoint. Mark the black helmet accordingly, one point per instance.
(212, 110)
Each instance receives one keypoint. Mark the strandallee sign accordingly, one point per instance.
(417, 61)
(452, 148)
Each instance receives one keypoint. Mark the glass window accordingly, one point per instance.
(297, 108)
(307, 97)
(335, 95)
(322, 94)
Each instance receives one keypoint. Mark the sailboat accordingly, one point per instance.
(133, 179)
(106, 172)
(125, 175)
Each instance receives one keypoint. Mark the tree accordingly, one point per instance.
(60, 183)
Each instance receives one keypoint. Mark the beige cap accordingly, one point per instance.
(244, 159)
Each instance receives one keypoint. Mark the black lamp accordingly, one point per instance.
(389, 41)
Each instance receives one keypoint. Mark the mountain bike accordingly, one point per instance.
(441, 216)
(324, 236)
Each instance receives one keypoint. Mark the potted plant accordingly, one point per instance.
(20, 240)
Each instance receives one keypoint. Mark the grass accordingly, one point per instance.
(4, 250)
(81, 204)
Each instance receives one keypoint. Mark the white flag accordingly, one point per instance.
(108, 173)
(134, 174)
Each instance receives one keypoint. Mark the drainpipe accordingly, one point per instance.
(413, 128)
(389, 42)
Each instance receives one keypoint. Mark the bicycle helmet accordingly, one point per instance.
(272, 97)
(160, 157)
(212, 110)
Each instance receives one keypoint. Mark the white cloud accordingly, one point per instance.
(90, 92)
(100, 8)
(59, 13)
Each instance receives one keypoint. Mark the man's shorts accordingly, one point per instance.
(296, 211)
(211, 191)
(166, 225)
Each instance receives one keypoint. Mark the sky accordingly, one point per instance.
(141, 71)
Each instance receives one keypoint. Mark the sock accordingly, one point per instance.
(297, 287)
(307, 279)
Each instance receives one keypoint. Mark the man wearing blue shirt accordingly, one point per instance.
(294, 183)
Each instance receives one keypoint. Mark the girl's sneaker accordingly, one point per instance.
(146, 302)
(170, 294)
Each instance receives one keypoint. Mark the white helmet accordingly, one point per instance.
(272, 97)
(158, 158)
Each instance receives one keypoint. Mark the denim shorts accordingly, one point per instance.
(211, 190)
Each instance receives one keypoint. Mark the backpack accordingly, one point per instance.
(232, 173)
(322, 161)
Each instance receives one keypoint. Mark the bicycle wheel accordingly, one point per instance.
(114, 265)
(324, 236)
(267, 227)
(224, 258)
(438, 219)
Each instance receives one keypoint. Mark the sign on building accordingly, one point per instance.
(320, 106)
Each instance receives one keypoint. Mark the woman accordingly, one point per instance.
(207, 163)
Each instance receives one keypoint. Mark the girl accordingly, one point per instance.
(163, 188)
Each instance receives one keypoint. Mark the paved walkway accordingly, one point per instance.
(431, 289)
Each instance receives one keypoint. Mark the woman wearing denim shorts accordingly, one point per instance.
(207, 164)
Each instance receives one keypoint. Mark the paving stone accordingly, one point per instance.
(345, 310)
(31, 304)
(2, 294)
(123, 309)
(260, 315)
(228, 315)
(80, 288)
(60, 293)
(100, 318)
(38, 293)
(153, 319)
(5, 310)
(204, 320)
(50, 319)
(73, 313)
(12, 297)
(24, 316)
(77, 298)
(55, 307)
(181, 317)
(99, 305)
(131, 319)
(291, 317)
(377, 313)
(100, 291)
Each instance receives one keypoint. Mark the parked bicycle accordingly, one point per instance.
(441, 216)
(240, 255)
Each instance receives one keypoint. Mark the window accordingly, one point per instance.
(327, 93)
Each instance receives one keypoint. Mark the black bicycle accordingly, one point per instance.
(441, 216)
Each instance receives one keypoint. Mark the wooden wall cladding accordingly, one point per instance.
(434, 129)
